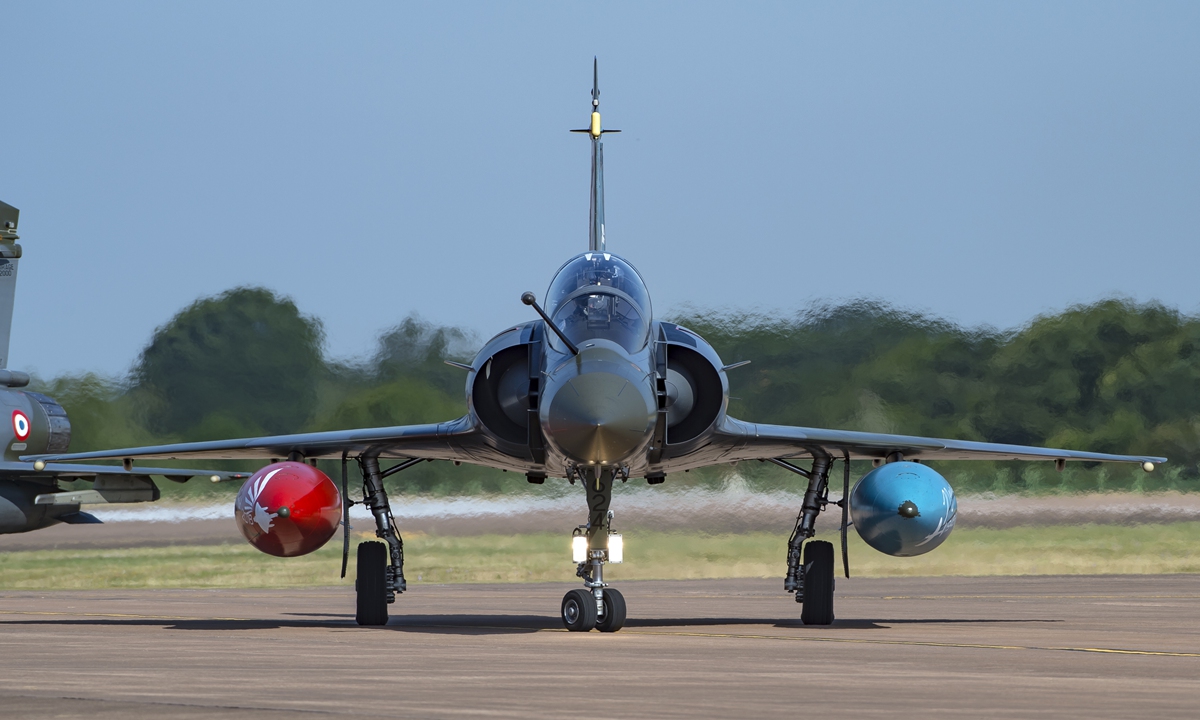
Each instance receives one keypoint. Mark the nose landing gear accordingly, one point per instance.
(599, 606)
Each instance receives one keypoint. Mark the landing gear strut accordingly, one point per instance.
(812, 580)
(378, 583)
(599, 606)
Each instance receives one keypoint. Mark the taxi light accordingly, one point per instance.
(616, 549)
(579, 548)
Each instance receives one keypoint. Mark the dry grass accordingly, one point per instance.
(1081, 549)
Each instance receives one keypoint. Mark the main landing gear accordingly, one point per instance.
(598, 606)
(378, 583)
(812, 579)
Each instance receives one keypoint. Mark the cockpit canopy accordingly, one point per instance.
(599, 295)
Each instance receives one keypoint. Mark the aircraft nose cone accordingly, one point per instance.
(600, 417)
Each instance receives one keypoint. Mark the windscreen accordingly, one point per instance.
(599, 295)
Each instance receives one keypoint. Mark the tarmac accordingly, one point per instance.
(1071, 647)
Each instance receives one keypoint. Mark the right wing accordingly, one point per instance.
(454, 440)
(737, 440)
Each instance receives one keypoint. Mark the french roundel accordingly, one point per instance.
(20, 425)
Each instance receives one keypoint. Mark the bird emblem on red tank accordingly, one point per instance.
(288, 509)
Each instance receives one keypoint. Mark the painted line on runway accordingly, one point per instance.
(918, 643)
(1020, 597)
(121, 615)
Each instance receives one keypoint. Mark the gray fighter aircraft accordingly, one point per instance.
(597, 391)
(30, 497)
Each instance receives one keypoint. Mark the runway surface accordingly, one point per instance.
(1079, 647)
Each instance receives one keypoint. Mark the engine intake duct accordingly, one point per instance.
(501, 394)
(694, 394)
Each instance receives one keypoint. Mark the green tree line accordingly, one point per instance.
(1114, 376)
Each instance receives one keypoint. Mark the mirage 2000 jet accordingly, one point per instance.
(30, 496)
(597, 391)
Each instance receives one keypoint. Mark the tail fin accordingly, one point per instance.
(596, 230)
(10, 253)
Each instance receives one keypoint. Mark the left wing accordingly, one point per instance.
(737, 440)
(73, 471)
(110, 483)
(454, 440)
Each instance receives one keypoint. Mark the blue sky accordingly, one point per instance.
(985, 162)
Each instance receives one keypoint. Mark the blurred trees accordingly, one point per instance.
(1114, 376)
(245, 362)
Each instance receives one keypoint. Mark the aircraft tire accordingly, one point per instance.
(818, 583)
(371, 584)
(579, 610)
(614, 611)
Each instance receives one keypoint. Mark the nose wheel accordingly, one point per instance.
(581, 612)
(612, 618)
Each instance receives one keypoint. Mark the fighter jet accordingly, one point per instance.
(597, 391)
(30, 496)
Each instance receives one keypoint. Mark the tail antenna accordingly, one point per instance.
(596, 230)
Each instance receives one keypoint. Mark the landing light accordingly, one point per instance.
(579, 548)
(616, 549)
(1148, 466)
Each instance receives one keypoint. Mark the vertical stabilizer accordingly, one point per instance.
(596, 213)
(596, 227)
(10, 253)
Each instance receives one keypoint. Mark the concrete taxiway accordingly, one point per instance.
(1074, 647)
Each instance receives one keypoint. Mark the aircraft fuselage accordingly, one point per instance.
(611, 389)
